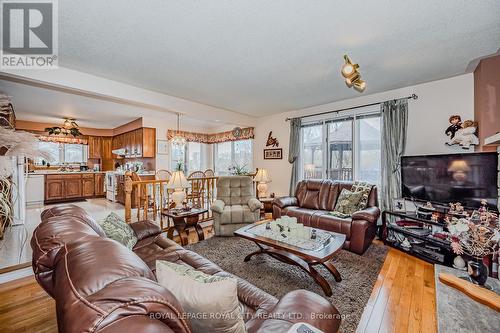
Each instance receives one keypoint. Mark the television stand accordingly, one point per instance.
(419, 232)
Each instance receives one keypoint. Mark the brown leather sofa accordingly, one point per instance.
(100, 285)
(314, 199)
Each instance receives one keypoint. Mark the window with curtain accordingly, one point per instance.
(232, 153)
(63, 153)
(350, 146)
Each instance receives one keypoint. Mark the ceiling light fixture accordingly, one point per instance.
(352, 76)
(70, 127)
(178, 140)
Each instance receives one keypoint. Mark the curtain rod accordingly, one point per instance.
(413, 96)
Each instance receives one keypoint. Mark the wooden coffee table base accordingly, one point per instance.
(307, 266)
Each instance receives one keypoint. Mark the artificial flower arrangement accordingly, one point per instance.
(476, 236)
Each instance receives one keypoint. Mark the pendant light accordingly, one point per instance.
(178, 140)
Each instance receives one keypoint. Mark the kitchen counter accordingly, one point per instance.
(57, 172)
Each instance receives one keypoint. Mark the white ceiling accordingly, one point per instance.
(259, 57)
(51, 106)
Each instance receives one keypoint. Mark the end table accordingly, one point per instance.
(183, 221)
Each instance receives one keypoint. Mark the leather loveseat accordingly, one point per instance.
(100, 285)
(313, 201)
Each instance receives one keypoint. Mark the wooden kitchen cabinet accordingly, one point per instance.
(69, 187)
(148, 142)
(95, 146)
(54, 189)
(99, 186)
(137, 143)
(73, 187)
(88, 187)
(106, 154)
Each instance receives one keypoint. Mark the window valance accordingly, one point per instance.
(244, 134)
(62, 139)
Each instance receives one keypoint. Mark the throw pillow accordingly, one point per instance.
(366, 189)
(210, 302)
(347, 203)
(117, 229)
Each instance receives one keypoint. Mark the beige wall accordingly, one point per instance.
(428, 119)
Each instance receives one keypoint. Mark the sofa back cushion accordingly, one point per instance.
(235, 190)
(75, 211)
(323, 194)
(313, 193)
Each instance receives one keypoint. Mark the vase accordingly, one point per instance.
(478, 272)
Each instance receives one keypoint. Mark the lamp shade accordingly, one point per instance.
(262, 176)
(459, 165)
(178, 180)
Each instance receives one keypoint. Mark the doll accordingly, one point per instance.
(466, 136)
(456, 124)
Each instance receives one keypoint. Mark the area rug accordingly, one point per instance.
(350, 296)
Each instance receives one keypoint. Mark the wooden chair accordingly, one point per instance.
(197, 192)
(209, 173)
(164, 175)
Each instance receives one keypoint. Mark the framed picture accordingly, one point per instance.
(162, 147)
(273, 154)
(399, 205)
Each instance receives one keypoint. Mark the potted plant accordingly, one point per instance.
(237, 170)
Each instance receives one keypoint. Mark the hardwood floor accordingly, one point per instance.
(402, 300)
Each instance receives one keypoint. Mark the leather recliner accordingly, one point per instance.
(313, 201)
(100, 285)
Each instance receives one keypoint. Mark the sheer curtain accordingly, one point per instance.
(394, 128)
(294, 150)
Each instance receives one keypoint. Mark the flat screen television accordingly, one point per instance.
(466, 178)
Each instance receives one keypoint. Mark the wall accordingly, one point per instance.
(428, 119)
(486, 99)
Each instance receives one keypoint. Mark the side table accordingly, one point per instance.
(267, 204)
(183, 221)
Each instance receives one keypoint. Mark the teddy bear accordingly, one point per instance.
(466, 136)
(456, 124)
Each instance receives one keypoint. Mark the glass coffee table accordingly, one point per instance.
(298, 251)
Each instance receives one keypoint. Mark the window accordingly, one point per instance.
(351, 147)
(61, 153)
(231, 153)
(192, 156)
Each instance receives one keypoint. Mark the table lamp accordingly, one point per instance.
(178, 183)
(262, 178)
(459, 168)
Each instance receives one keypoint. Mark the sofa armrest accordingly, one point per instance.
(285, 202)
(254, 204)
(218, 206)
(370, 214)
(301, 306)
(145, 229)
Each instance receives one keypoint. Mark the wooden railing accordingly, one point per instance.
(151, 197)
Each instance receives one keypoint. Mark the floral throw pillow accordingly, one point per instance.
(117, 229)
(347, 203)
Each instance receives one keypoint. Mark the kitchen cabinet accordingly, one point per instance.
(67, 187)
(106, 154)
(138, 143)
(88, 186)
(99, 186)
(95, 146)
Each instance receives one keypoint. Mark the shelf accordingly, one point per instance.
(414, 216)
(405, 232)
(418, 255)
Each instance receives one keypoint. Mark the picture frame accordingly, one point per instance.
(273, 154)
(162, 147)
(399, 205)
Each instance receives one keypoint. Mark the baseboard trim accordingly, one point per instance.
(14, 275)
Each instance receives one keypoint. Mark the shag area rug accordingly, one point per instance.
(350, 296)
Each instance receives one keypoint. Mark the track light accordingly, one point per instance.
(352, 76)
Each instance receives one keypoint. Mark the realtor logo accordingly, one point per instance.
(29, 34)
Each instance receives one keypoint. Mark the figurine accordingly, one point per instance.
(456, 124)
(465, 136)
